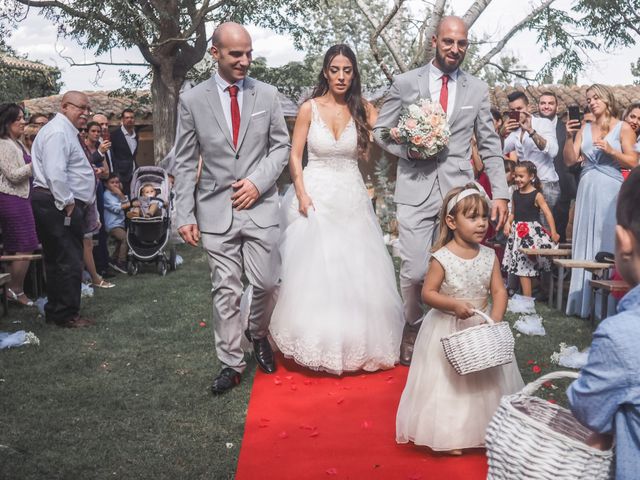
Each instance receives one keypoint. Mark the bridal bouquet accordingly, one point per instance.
(422, 127)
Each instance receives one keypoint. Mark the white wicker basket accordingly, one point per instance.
(480, 347)
(530, 438)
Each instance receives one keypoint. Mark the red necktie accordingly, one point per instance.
(235, 113)
(444, 93)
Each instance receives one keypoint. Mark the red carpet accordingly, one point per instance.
(307, 425)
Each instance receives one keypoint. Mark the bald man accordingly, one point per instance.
(64, 187)
(236, 125)
(423, 182)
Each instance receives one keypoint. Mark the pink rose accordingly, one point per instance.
(435, 121)
(411, 124)
(416, 139)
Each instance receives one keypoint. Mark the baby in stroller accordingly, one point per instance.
(147, 205)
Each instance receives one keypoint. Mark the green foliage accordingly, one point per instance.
(615, 22)
(635, 71)
(19, 83)
(342, 22)
(134, 87)
(292, 79)
(384, 189)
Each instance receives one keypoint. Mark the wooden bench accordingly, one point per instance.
(36, 260)
(551, 253)
(606, 287)
(599, 271)
(5, 278)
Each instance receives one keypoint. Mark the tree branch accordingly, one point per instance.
(515, 29)
(509, 72)
(67, 9)
(432, 25)
(474, 11)
(391, 46)
(72, 63)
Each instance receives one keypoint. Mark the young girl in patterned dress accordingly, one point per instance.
(523, 227)
(439, 408)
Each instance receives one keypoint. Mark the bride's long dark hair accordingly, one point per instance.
(353, 96)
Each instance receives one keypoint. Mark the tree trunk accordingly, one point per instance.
(165, 90)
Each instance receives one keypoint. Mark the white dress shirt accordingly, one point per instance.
(60, 164)
(130, 138)
(435, 85)
(526, 149)
(225, 98)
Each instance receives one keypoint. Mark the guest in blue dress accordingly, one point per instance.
(604, 146)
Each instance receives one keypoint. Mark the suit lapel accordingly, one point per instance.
(248, 102)
(213, 97)
(461, 91)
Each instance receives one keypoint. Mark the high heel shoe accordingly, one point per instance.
(15, 297)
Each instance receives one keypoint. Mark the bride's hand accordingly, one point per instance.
(304, 202)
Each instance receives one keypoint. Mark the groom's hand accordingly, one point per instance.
(499, 212)
(245, 194)
(190, 234)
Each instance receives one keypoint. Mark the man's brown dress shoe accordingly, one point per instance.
(77, 322)
(409, 335)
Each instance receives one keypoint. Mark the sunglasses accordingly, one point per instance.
(83, 130)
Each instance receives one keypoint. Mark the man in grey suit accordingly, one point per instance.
(236, 125)
(422, 182)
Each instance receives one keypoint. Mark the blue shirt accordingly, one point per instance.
(113, 213)
(606, 396)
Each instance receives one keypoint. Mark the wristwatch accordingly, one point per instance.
(533, 132)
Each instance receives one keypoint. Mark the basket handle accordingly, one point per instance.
(484, 316)
(531, 388)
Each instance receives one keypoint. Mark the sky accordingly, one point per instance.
(37, 38)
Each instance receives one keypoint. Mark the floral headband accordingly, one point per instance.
(467, 192)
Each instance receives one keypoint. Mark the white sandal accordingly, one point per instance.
(13, 296)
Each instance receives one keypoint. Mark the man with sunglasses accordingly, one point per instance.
(422, 182)
(64, 189)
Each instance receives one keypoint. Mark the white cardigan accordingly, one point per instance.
(14, 174)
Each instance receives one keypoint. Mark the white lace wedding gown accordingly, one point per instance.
(338, 307)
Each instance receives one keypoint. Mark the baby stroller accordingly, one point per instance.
(148, 237)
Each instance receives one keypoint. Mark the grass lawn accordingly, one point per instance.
(129, 398)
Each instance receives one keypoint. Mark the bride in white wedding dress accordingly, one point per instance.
(338, 308)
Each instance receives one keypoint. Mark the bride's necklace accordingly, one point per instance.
(340, 110)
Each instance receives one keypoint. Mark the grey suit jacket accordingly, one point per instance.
(262, 153)
(452, 167)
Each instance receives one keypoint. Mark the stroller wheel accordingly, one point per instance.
(132, 267)
(162, 267)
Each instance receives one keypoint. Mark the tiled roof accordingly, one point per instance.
(24, 64)
(101, 102)
(574, 95)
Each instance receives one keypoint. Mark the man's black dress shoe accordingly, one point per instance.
(409, 334)
(263, 353)
(226, 380)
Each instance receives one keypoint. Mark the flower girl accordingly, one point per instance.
(439, 408)
(523, 228)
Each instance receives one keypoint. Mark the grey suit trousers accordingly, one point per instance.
(247, 248)
(417, 230)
